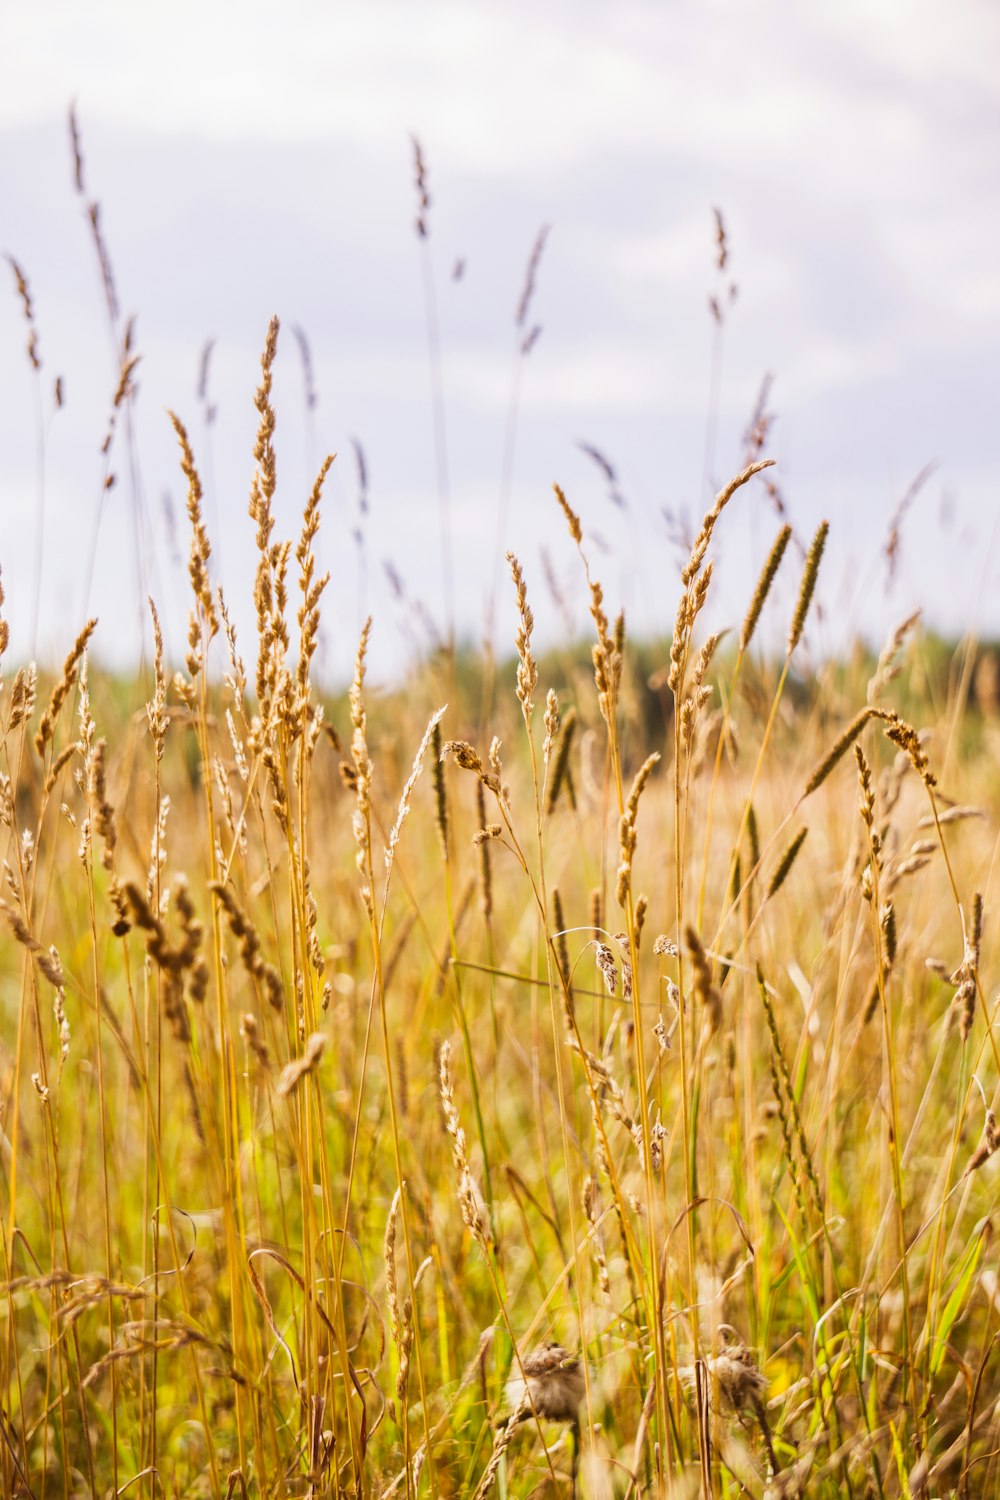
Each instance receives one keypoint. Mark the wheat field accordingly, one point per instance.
(558, 1076)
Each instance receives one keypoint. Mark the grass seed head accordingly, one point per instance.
(764, 582)
(549, 1382)
(807, 587)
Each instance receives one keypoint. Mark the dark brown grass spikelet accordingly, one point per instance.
(807, 587)
(470, 760)
(889, 937)
(485, 863)
(705, 989)
(19, 927)
(250, 1032)
(123, 391)
(572, 519)
(964, 1004)
(874, 998)
(887, 924)
(293, 1072)
(77, 150)
(839, 748)
(907, 739)
(966, 976)
(550, 1382)
(987, 1146)
(23, 292)
(248, 939)
(641, 908)
(786, 862)
(173, 961)
(441, 792)
(976, 933)
(764, 583)
(736, 883)
(104, 813)
(721, 242)
(104, 262)
(60, 691)
(59, 764)
(423, 196)
(465, 754)
(562, 947)
(50, 967)
(753, 837)
(126, 381)
(193, 932)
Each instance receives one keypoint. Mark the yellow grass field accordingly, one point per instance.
(586, 1085)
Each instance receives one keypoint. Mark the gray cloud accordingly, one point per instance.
(248, 163)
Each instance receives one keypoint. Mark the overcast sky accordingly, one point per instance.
(255, 159)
